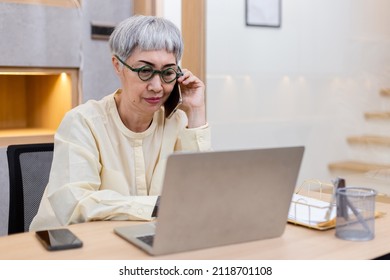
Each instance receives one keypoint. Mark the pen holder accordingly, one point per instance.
(355, 218)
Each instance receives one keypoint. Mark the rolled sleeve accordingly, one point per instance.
(196, 139)
(101, 205)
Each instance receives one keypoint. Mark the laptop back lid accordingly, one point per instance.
(217, 198)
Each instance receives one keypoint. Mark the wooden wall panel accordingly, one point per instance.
(194, 34)
(49, 98)
(12, 101)
(144, 7)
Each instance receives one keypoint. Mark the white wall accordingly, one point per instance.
(170, 9)
(306, 83)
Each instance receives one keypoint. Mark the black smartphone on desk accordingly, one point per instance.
(58, 239)
(173, 102)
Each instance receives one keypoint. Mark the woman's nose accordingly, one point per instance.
(155, 83)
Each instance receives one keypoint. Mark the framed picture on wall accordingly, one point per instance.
(263, 13)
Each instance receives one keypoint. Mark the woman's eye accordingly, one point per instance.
(169, 72)
(146, 70)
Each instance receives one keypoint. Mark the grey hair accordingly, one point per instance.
(147, 33)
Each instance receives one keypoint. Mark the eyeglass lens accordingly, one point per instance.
(168, 75)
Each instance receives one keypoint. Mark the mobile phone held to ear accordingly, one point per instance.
(173, 102)
(58, 239)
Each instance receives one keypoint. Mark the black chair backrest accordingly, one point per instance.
(29, 168)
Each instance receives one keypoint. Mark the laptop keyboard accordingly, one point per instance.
(148, 239)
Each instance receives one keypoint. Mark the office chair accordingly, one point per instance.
(29, 168)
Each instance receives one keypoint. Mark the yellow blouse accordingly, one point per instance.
(103, 171)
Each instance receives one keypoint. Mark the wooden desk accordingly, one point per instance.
(100, 242)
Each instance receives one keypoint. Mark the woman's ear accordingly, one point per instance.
(117, 65)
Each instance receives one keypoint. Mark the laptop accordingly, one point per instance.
(218, 198)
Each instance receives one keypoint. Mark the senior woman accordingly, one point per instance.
(110, 155)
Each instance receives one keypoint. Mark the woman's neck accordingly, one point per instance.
(132, 120)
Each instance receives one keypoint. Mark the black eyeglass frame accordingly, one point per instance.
(159, 72)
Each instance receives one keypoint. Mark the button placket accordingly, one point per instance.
(140, 179)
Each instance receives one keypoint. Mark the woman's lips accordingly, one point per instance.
(153, 100)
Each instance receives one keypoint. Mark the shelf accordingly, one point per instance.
(356, 166)
(377, 115)
(369, 139)
(385, 92)
(33, 102)
(26, 135)
(361, 168)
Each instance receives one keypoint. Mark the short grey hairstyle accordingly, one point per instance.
(147, 33)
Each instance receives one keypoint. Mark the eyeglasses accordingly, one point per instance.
(145, 73)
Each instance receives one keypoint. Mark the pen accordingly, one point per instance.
(342, 205)
(338, 183)
(358, 215)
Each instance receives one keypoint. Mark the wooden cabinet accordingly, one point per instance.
(33, 102)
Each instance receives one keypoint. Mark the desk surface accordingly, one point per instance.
(100, 242)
